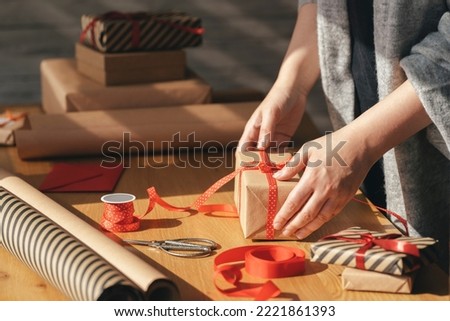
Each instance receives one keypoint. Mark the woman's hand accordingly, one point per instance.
(335, 165)
(278, 116)
(333, 168)
(275, 120)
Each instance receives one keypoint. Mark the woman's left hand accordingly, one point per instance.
(333, 169)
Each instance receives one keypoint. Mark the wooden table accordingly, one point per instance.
(179, 180)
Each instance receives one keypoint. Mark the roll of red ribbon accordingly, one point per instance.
(118, 215)
(266, 261)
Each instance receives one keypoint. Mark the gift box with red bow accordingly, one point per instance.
(368, 250)
(141, 31)
(258, 196)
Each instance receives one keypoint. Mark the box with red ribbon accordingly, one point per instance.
(259, 196)
(368, 250)
(141, 31)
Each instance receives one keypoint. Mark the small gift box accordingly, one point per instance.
(64, 89)
(375, 251)
(359, 280)
(9, 122)
(258, 196)
(130, 67)
(122, 32)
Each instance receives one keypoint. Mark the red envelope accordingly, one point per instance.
(69, 177)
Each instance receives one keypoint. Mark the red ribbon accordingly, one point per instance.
(389, 212)
(368, 240)
(264, 165)
(133, 18)
(265, 261)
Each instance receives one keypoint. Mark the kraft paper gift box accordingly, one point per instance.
(359, 280)
(130, 68)
(113, 133)
(9, 122)
(122, 32)
(64, 89)
(342, 249)
(251, 194)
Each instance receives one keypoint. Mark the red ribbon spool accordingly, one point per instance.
(265, 261)
(118, 215)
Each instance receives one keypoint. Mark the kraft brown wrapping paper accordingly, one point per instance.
(359, 280)
(64, 89)
(147, 279)
(251, 195)
(84, 133)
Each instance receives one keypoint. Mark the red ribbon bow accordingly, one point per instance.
(388, 242)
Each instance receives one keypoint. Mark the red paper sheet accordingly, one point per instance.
(89, 177)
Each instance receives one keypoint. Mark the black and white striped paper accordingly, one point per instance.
(57, 256)
(158, 31)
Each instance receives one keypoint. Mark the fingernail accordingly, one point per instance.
(277, 175)
(277, 225)
(286, 232)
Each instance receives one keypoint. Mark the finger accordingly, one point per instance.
(251, 132)
(294, 202)
(328, 211)
(305, 215)
(268, 124)
(296, 164)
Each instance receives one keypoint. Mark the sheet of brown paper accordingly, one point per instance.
(64, 89)
(360, 280)
(144, 276)
(154, 129)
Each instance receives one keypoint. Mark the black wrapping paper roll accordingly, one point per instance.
(58, 257)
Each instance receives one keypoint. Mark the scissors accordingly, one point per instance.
(186, 247)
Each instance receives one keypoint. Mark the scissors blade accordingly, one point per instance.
(140, 242)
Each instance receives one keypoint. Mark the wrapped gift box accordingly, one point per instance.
(342, 249)
(9, 122)
(113, 133)
(122, 32)
(359, 280)
(251, 193)
(130, 68)
(64, 89)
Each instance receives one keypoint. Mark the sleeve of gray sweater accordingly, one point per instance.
(428, 69)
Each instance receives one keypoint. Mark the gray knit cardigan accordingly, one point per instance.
(412, 41)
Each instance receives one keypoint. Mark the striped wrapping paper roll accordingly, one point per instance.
(59, 257)
(341, 252)
(121, 32)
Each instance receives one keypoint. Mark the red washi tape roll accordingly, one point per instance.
(118, 215)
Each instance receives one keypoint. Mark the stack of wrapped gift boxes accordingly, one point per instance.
(126, 60)
(129, 76)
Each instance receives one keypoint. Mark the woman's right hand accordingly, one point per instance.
(275, 120)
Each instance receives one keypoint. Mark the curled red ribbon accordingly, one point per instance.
(388, 242)
(265, 261)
